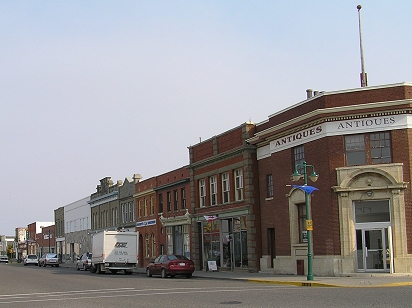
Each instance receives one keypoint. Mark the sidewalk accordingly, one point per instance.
(360, 280)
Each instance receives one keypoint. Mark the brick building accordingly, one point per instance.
(147, 220)
(173, 197)
(225, 201)
(359, 142)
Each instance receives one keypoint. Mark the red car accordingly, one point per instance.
(171, 265)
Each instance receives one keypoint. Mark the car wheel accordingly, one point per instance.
(148, 273)
(189, 276)
(93, 269)
(164, 273)
(25, 264)
(57, 265)
(44, 264)
(77, 267)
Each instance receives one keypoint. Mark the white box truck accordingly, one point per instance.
(114, 251)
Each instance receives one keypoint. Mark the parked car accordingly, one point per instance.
(31, 259)
(49, 259)
(4, 259)
(171, 265)
(84, 261)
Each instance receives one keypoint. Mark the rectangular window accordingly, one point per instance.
(183, 196)
(169, 201)
(202, 193)
(269, 186)
(355, 150)
(225, 187)
(213, 190)
(160, 203)
(303, 234)
(131, 212)
(140, 208)
(146, 208)
(238, 184)
(366, 149)
(380, 148)
(153, 246)
(176, 199)
(298, 158)
(151, 206)
(147, 245)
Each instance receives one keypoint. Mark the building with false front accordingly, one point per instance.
(359, 143)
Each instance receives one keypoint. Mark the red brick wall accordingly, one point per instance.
(401, 142)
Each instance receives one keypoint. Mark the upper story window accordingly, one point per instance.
(213, 190)
(298, 158)
(183, 197)
(269, 186)
(225, 187)
(140, 208)
(160, 203)
(202, 192)
(146, 208)
(176, 200)
(238, 184)
(366, 149)
(151, 206)
(169, 201)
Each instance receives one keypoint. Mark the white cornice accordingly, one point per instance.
(325, 111)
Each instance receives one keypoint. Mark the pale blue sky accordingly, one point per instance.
(90, 89)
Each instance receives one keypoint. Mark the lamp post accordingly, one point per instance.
(308, 190)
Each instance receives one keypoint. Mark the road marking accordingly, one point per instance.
(45, 297)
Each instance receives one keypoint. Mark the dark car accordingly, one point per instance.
(171, 265)
(49, 259)
(84, 261)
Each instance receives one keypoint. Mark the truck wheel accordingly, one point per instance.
(98, 269)
(148, 273)
(164, 273)
(92, 269)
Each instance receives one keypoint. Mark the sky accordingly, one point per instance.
(94, 89)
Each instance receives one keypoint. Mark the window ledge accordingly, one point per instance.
(268, 199)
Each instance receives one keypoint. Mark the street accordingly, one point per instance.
(32, 286)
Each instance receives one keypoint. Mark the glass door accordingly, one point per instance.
(372, 249)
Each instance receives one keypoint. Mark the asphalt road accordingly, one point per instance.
(32, 286)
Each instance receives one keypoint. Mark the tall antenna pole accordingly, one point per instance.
(363, 76)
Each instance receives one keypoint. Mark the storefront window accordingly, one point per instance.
(225, 241)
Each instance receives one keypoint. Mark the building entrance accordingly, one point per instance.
(225, 241)
(373, 239)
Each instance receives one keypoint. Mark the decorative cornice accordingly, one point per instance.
(176, 220)
(259, 137)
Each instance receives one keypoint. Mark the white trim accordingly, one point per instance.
(336, 128)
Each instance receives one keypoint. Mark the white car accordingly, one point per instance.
(31, 259)
(4, 259)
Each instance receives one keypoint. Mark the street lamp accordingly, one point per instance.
(308, 190)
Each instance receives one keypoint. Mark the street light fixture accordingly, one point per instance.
(308, 190)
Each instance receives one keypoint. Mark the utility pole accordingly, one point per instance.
(363, 75)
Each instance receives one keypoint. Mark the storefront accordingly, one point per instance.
(225, 241)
